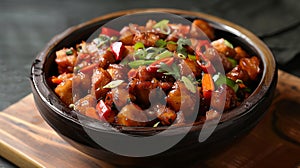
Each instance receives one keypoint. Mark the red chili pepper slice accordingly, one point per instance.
(118, 50)
(155, 65)
(207, 67)
(200, 45)
(104, 111)
(109, 32)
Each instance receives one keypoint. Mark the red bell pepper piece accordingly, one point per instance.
(207, 85)
(155, 65)
(207, 67)
(104, 111)
(109, 32)
(118, 49)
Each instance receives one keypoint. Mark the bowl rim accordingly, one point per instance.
(269, 71)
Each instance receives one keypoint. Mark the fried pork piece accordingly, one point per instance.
(131, 115)
(221, 46)
(181, 99)
(121, 96)
(147, 38)
(117, 72)
(83, 104)
(204, 26)
(65, 59)
(240, 53)
(100, 78)
(143, 74)
(165, 115)
(81, 85)
(251, 66)
(64, 89)
(224, 95)
(141, 91)
(126, 36)
(218, 60)
(188, 66)
(106, 59)
(238, 73)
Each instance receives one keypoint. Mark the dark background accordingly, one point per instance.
(27, 25)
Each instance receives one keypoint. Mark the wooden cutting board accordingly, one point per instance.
(27, 141)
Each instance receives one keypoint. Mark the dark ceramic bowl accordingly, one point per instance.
(232, 125)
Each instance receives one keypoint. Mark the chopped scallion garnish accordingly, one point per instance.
(156, 124)
(228, 44)
(160, 43)
(232, 61)
(164, 54)
(192, 57)
(163, 26)
(69, 52)
(137, 63)
(220, 79)
(113, 84)
(189, 84)
(182, 56)
(138, 45)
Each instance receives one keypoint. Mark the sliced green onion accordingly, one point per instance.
(152, 52)
(156, 124)
(161, 23)
(228, 44)
(124, 62)
(192, 57)
(164, 68)
(163, 26)
(220, 79)
(160, 43)
(138, 45)
(150, 55)
(181, 43)
(171, 42)
(232, 61)
(184, 41)
(239, 81)
(164, 54)
(137, 63)
(101, 40)
(69, 52)
(247, 90)
(141, 54)
(182, 56)
(113, 84)
(189, 84)
(176, 71)
(72, 106)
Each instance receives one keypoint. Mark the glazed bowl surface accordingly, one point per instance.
(232, 126)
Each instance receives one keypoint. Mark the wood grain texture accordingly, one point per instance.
(27, 141)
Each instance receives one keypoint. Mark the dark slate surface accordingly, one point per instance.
(26, 26)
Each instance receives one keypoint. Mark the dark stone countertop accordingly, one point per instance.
(26, 27)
